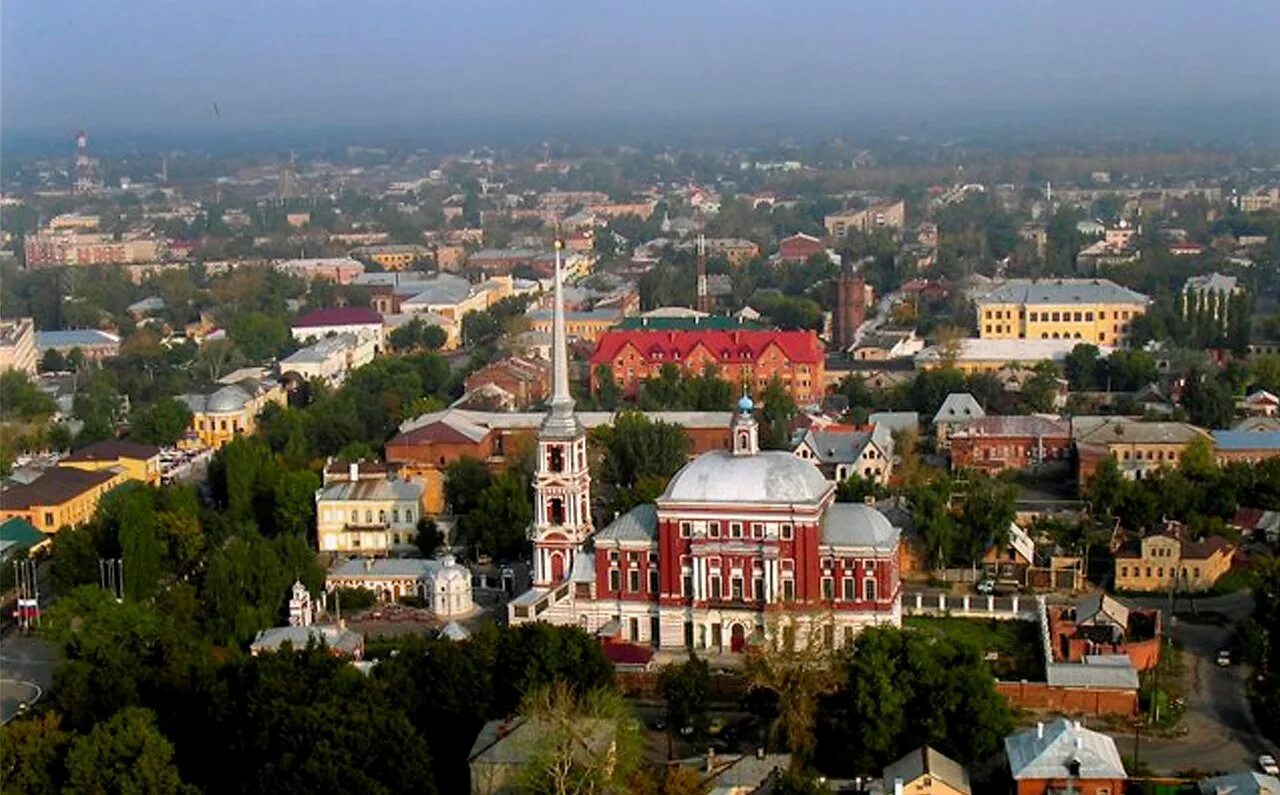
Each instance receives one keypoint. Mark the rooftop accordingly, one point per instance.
(638, 524)
(1061, 291)
(53, 487)
(927, 761)
(380, 490)
(743, 345)
(113, 449)
(853, 524)
(1054, 749)
(959, 407)
(70, 338)
(339, 316)
(374, 568)
(766, 477)
(1122, 430)
(1003, 351)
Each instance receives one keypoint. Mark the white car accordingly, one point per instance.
(985, 587)
(1267, 764)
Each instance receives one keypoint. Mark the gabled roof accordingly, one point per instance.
(1241, 784)
(1052, 749)
(1015, 426)
(1101, 609)
(836, 447)
(927, 761)
(959, 407)
(1122, 430)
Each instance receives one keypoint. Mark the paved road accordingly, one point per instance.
(1221, 733)
(26, 672)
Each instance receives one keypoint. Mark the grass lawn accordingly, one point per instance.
(1015, 645)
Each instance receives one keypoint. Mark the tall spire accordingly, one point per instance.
(560, 420)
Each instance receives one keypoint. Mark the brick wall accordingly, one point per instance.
(1071, 701)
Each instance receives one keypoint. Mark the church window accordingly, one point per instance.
(686, 529)
(555, 458)
(787, 531)
(555, 511)
(735, 530)
(715, 587)
(615, 580)
(789, 589)
(869, 590)
(847, 586)
(757, 530)
(633, 581)
(654, 585)
(828, 588)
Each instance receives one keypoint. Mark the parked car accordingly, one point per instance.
(986, 587)
(1267, 764)
(1224, 657)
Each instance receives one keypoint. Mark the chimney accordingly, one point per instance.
(1039, 730)
(897, 786)
(353, 471)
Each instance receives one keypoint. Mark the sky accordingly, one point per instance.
(262, 64)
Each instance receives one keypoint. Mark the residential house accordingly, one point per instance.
(995, 444)
(739, 774)
(340, 270)
(926, 771)
(59, 497)
(1098, 624)
(841, 452)
(1063, 756)
(586, 325)
(393, 257)
(368, 517)
(884, 345)
(140, 462)
(1098, 311)
(1010, 562)
(526, 380)
(956, 411)
(736, 251)
(1138, 448)
(330, 359)
(1257, 523)
(229, 411)
(1168, 558)
(752, 358)
(1259, 403)
(18, 346)
(504, 747)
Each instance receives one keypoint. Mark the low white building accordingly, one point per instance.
(321, 323)
(331, 359)
(442, 584)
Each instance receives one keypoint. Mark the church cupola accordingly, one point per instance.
(744, 430)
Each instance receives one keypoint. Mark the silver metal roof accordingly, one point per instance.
(1046, 751)
(638, 524)
(853, 524)
(768, 477)
(1061, 291)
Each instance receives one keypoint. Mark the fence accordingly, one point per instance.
(938, 603)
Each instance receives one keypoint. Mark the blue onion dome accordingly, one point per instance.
(746, 404)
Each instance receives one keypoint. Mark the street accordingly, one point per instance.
(1221, 734)
(26, 672)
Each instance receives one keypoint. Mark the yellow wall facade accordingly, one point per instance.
(1102, 324)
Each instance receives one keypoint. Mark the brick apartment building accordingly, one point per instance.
(750, 358)
(526, 379)
(994, 444)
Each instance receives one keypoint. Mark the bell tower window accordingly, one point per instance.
(555, 510)
(555, 458)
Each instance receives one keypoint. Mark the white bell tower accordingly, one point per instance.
(562, 480)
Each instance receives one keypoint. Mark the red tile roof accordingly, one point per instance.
(340, 316)
(725, 346)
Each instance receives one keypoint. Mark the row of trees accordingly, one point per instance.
(142, 704)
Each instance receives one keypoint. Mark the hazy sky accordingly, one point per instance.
(155, 65)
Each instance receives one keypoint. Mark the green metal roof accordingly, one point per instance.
(18, 534)
(709, 323)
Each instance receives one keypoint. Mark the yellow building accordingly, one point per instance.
(888, 215)
(1138, 448)
(924, 771)
(59, 497)
(363, 516)
(1168, 558)
(230, 411)
(139, 462)
(392, 257)
(1090, 310)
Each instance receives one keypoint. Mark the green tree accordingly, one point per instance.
(99, 408)
(776, 416)
(126, 754)
(294, 502)
(903, 689)
(639, 457)
(429, 538)
(20, 399)
(930, 503)
(607, 390)
(1083, 367)
(464, 481)
(498, 525)
(985, 514)
(686, 687)
(31, 755)
(52, 361)
(585, 743)
(1106, 489)
(164, 422)
(259, 336)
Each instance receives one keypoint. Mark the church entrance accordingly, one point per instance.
(557, 567)
(737, 638)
